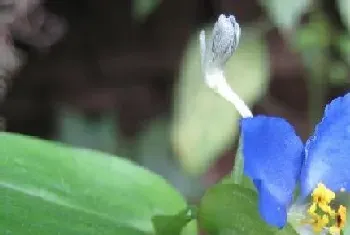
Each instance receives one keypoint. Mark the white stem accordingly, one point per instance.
(217, 81)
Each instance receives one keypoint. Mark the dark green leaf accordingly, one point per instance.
(231, 209)
(48, 188)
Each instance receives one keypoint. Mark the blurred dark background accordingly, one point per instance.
(107, 74)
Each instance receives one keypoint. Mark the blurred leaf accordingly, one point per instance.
(286, 14)
(339, 73)
(143, 8)
(75, 128)
(344, 47)
(153, 150)
(204, 123)
(48, 188)
(172, 224)
(344, 10)
(231, 209)
(314, 37)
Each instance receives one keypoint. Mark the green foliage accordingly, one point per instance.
(313, 37)
(231, 209)
(286, 14)
(172, 224)
(48, 188)
(204, 123)
(338, 73)
(288, 230)
(344, 47)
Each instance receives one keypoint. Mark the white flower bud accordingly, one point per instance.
(222, 44)
(215, 54)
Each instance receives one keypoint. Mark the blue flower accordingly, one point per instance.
(276, 159)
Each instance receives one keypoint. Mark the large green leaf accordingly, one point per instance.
(48, 188)
(286, 14)
(204, 123)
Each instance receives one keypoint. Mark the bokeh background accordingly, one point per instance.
(124, 76)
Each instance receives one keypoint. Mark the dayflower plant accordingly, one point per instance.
(276, 159)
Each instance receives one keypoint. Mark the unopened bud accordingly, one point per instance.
(223, 43)
(215, 54)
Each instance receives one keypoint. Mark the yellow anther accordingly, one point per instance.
(321, 214)
(322, 195)
(312, 210)
(320, 223)
(341, 216)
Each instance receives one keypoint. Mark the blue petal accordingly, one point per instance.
(276, 217)
(272, 159)
(327, 152)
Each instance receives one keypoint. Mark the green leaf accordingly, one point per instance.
(172, 224)
(286, 14)
(205, 124)
(48, 188)
(231, 209)
(246, 182)
(344, 10)
(288, 230)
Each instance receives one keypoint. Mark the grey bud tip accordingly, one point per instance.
(224, 41)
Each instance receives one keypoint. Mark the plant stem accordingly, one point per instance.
(237, 173)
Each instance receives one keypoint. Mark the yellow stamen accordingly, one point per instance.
(312, 210)
(322, 195)
(340, 219)
(321, 214)
(320, 223)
